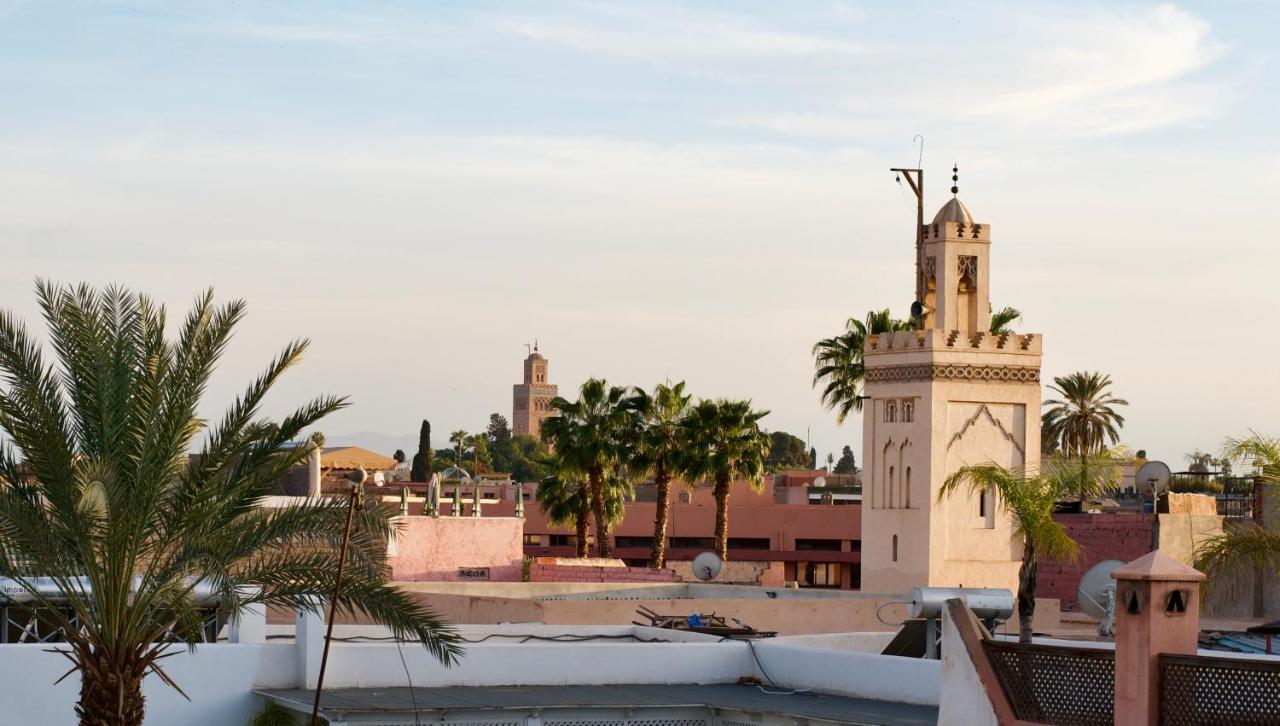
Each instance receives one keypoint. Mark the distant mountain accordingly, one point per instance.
(374, 441)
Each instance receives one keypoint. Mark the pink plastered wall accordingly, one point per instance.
(435, 548)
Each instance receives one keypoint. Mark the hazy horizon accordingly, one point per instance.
(667, 190)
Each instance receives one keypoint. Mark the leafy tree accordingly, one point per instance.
(1002, 319)
(1200, 462)
(847, 463)
(499, 430)
(400, 457)
(1245, 548)
(479, 452)
(662, 448)
(588, 436)
(725, 443)
(108, 493)
(786, 452)
(1083, 420)
(422, 461)
(837, 361)
(524, 457)
(1029, 499)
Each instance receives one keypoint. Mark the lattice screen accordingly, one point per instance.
(1057, 685)
(1227, 691)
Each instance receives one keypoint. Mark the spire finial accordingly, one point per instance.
(955, 180)
(535, 345)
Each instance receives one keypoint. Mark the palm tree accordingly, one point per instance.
(661, 450)
(1245, 549)
(479, 444)
(458, 439)
(1083, 420)
(109, 506)
(1002, 319)
(589, 436)
(566, 498)
(725, 443)
(1028, 498)
(837, 362)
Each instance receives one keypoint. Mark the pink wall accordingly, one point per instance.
(435, 548)
(543, 572)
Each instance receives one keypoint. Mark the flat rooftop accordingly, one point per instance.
(391, 705)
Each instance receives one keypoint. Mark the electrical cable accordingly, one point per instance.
(412, 696)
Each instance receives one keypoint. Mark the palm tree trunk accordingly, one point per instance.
(722, 516)
(114, 699)
(604, 548)
(1026, 592)
(582, 520)
(658, 560)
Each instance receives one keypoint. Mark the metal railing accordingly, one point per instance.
(1197, 689)
(1056, 684)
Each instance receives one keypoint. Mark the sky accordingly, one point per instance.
(655, 190)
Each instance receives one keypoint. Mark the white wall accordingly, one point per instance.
(861, 675)
(218, 678)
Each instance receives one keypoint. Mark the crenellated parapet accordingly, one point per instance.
(908, 340)
(972, 231)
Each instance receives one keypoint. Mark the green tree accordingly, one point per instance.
(1083, 420)
(726, 443)
(499, 430)
(1002, 319)
(400, 457)
(459, 439)
(589, 436)
(786, 452)
(837, 361)
(523, 457)
(847, 464)
(565, 498)
(422, 461)
(109, 507)
(662, 448)
(1029, 499)
(479, 452)
(1246, 548)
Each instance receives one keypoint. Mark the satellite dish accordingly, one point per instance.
(820, 481)
(706, 566)
(1096, 595)
(1154, 474)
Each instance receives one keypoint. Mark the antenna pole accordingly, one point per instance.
(916, 183)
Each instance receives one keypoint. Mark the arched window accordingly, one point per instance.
(906, 488)
(908, 411)
(890, 412)
(888, 485)
(895, 548)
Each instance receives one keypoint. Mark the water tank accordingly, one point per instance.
(986, 602)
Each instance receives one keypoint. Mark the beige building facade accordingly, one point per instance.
(946, 395)
(531, 400)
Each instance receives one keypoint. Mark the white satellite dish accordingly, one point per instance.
(706, 566)
(820, 481)
(1097, 595)
(1154, 474)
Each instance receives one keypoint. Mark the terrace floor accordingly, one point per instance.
(634, 703)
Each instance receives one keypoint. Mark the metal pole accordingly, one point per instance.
(333, 601)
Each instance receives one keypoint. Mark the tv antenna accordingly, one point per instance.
(915, 180)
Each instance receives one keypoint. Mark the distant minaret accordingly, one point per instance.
(945, 395)
(531, 400)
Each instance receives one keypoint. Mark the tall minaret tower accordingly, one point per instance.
(946, 395)
(531, 400)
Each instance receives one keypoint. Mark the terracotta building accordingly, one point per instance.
(807, 534)
(944, 396)
(531, 400)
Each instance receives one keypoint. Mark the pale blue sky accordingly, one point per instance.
(693, 190)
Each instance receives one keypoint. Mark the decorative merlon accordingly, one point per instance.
(933, 339)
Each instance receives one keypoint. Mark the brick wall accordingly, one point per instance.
(540, 572)
(1124, 537)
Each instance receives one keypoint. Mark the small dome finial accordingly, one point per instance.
(955, 180)
(535, 345)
